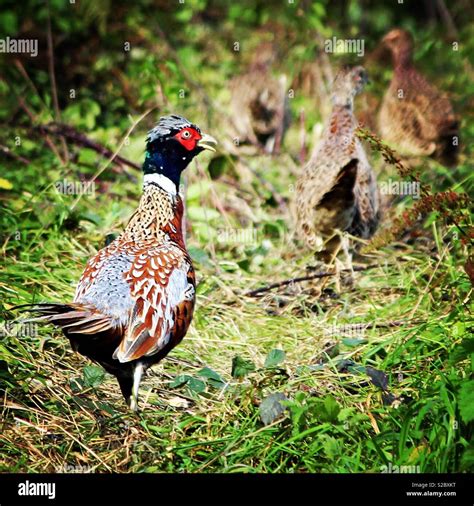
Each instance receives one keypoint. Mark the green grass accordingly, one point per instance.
(410, 315)
(335, 421)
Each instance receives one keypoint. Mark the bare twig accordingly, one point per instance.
(447, 18)
(281, 116)
(8, 152)
(303, 150)
(80, 139)
(318, 275)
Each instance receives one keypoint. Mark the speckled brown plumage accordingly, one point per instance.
(415, 118)
(259, 102)
(337, 189)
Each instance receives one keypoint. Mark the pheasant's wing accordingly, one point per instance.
(162, 285)
(318, 182)
(326, 200)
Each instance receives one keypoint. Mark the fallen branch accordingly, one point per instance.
(8, 152)
(318, 275)
(69, 133)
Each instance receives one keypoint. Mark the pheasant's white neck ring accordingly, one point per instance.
(161, 180)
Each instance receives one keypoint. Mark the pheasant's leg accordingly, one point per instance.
(137, 377)
(338, 265)
(349, 279)
(347, 254)
(270, 145)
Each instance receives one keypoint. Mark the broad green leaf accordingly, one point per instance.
(271, 408)
(213, 378)
(93, 376)
(274, 358)
(241, 367)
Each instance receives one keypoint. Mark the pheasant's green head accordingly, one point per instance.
(171, 145)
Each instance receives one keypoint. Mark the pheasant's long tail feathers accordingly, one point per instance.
(72, 318)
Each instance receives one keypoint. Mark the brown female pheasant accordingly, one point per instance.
(415, 118)
(337, 190)
(259, 102)
(135, 299)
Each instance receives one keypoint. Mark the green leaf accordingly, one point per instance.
(241, 367)
(5, 375)
(329, 410)
(274, 358)
(463, 350)
(271, 408)
(194, 384)
(180, 380)
(467, 460)
(213, 378)
(466, 401)
(93, 376)
(353, 341)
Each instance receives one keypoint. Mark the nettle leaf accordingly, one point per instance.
(93, 376)
(213, 378)
(328, 410)
(76, 384)
(194, 384)
(466, 401)
(180, 380)
(274, 358)
(462, 351)
(271, 408)
(241, 367)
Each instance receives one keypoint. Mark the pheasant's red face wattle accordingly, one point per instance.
(188, 137)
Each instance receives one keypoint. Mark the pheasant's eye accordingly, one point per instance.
(186, 134)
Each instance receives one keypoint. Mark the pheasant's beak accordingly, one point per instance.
(205, 142)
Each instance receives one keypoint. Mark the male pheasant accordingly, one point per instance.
(337, 190)
(135, 299)
(415, 118)
(259, 102)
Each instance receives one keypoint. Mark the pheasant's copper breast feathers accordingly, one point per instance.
(337, 189)
(415, 117)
